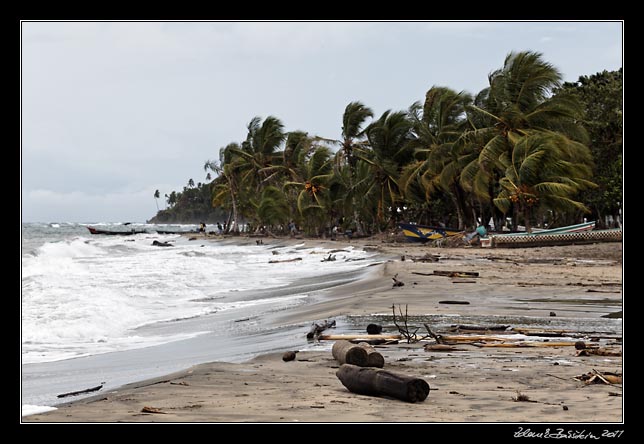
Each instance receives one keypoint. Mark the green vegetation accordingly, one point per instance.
(522, 148)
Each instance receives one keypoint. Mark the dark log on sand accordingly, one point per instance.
(363, 337)
(80, 392)
(161, 244)
(456, 273)
(378, 382)
(316, 329)
(362, 354)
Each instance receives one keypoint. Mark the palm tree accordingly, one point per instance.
(156, 196)
(544, 171)
(437, 124)
(258, 151)
(191, 183)
(228, 169)
(517, 104)
(273, 207)
(353, 120)
(388, 138)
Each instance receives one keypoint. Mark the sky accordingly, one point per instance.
(112, 111)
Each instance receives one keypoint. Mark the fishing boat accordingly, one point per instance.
(425, 233)
(586, 226)
(109, 232)
(569, 235)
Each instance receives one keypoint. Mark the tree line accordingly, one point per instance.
(528, 147)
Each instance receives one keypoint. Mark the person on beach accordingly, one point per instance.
(220, 229)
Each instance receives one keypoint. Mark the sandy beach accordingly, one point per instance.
(569, 288)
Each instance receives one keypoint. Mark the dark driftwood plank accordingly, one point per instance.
(80, 392)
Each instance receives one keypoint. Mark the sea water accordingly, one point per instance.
(86, 294)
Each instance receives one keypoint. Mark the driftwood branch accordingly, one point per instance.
(317, 329)
(80, 392)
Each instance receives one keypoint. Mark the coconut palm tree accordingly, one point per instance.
(517, 104)
(436, 125)
(353, 121)
(156, 197)
(390, 150)
(546, 171)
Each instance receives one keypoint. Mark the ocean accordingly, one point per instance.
(95, 298)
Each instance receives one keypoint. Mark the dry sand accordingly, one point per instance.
(580, 284)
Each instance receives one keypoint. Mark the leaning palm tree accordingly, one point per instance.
(226, 190)
(353, 121)
(388, 138)
(258, 151)
(517, 104)
(156, 197)
(436, 125)
(544, 172)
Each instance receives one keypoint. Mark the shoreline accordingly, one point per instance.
(518, 285)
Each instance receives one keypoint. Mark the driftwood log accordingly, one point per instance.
(317, 329)
(362, 354)
(378, 382)
(363, 336)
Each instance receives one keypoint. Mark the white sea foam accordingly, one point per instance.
(28, 409)
(87, 295)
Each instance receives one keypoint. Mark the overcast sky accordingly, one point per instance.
(113, 111)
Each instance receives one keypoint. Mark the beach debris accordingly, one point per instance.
(426, 258)
(441, 348)
(614, 315)
(580, 345)
(161, 244)
(599, 352)
(289, 356)
(595, 377)
(553, 314)
(148, 409)
(192, 238)
(260, 242)
(362, 354)
(374, 329)
(361, 337)
(402, 258)
(397, 283)
(316, 329)
(285, 260)
(275, 252)
(405, 329)
(375, 341)
(453, 274)
(463, 281)
(378, 382)
(478, 328)
(330, 258)
(520, 397)
(80, 392)
(454, 302)
(184, 383)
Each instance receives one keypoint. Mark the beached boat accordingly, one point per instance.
(424, 233)
(586, 226)
(109, 232)
(570, 235)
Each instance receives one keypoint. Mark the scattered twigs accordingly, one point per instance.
(405, 330)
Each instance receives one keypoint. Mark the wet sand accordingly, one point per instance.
(519, 287)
